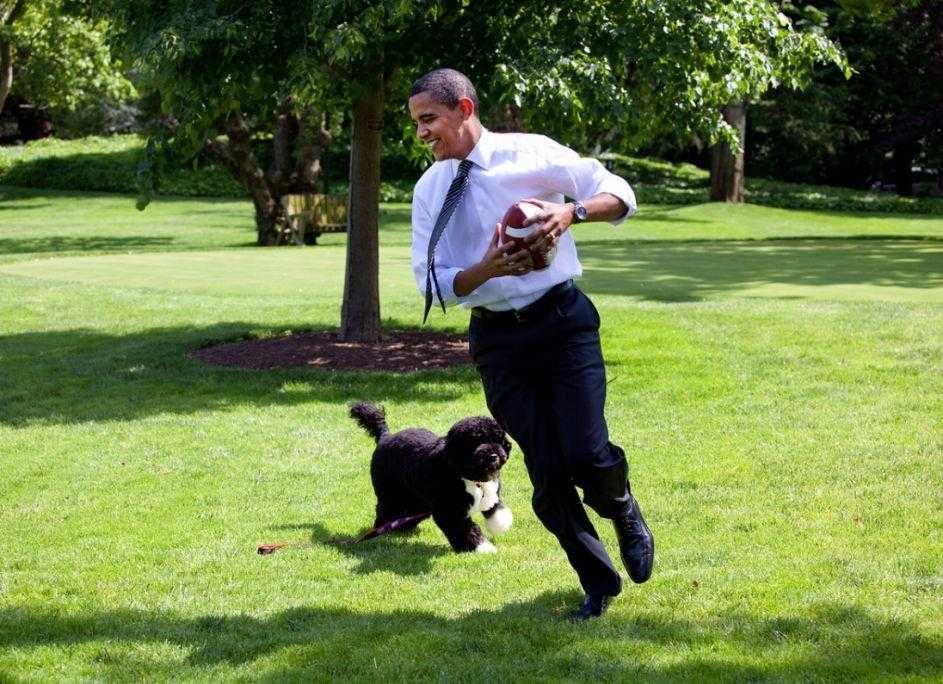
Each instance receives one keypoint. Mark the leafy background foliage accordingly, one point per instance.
(62, 61)
(110, 164)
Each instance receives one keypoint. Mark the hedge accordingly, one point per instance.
(659, 182)
(110, 165)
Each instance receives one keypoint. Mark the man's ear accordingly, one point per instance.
(467, 106)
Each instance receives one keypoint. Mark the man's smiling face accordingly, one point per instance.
(444, 130)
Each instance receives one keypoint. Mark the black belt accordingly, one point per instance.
(549, 299)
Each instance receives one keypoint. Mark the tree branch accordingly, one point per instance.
(286, 132)
(314, 138)
(237, 155)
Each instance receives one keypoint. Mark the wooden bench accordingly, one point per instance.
(311, 215)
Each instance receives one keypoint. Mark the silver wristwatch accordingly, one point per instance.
(579, 212)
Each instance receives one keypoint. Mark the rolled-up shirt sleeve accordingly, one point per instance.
(423, 224)
(582, 177)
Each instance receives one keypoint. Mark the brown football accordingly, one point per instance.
(514, 230)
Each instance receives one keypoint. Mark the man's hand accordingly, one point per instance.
(556, 220)
(499, 260)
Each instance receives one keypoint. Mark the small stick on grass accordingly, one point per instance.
(266, 549)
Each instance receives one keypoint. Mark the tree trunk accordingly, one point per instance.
(7, 17)
(314, 138)
(360, 312)
(270, 223)
(904, 153)
(508, 120)
(303, 137)
(237, 156)
(269, 214)
(6, 70)
(726, 164)
(283, 143)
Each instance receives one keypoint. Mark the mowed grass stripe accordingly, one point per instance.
(824, 270)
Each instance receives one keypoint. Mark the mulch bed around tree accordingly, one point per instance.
(400, 351)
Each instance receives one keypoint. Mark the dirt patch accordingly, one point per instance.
(400, 351)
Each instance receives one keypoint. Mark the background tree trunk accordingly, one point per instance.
(236, 154)
(508, 120)
(904, 153)
(6, 70)
(7, 18)
(360, 312)
(269, 222)
(313, 139)
(727, 167)
(298, 141)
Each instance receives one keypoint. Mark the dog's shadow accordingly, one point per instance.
(397, 552)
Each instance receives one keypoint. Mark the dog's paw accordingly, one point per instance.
(500, 521)
(486, 547)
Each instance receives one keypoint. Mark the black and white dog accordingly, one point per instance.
(415, 471)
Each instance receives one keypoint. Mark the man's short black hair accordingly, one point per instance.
(447, 87)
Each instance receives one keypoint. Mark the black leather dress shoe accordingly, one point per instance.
(636, 543)
(592, 607)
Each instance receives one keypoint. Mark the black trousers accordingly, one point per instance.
(545, 383)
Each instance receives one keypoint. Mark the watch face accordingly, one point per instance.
(580, 212)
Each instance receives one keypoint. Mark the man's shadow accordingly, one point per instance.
(400, 552)
(531, 638)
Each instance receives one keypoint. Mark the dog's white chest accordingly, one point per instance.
(484, 495)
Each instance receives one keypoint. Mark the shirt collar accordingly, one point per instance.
(481, 152)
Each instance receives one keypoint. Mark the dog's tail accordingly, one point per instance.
(371, 418)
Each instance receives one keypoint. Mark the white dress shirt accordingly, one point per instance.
(507, 167)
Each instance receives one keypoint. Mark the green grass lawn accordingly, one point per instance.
(776, 377)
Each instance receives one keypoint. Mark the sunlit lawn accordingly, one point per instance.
(776, 377)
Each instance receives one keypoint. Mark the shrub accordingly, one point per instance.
(110, 165)
(103, 164)
(658, 182)
(828, 198)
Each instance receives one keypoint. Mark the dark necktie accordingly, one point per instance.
(452, 198)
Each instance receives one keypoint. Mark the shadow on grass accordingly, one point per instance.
(63, 376)
(82, 244)
(20, 206)
(399, 552)
(520, 640)
(14, 193)
(85, 375)
(690, 271)
(662, 214)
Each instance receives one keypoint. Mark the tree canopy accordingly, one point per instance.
(222, 80)
(841, 132)
(635, 71)
(588, 71)
(59, 58)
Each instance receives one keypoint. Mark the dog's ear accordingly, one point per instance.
(501, 437)
(452, 449)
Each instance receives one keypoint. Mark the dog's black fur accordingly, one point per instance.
(415, 471)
